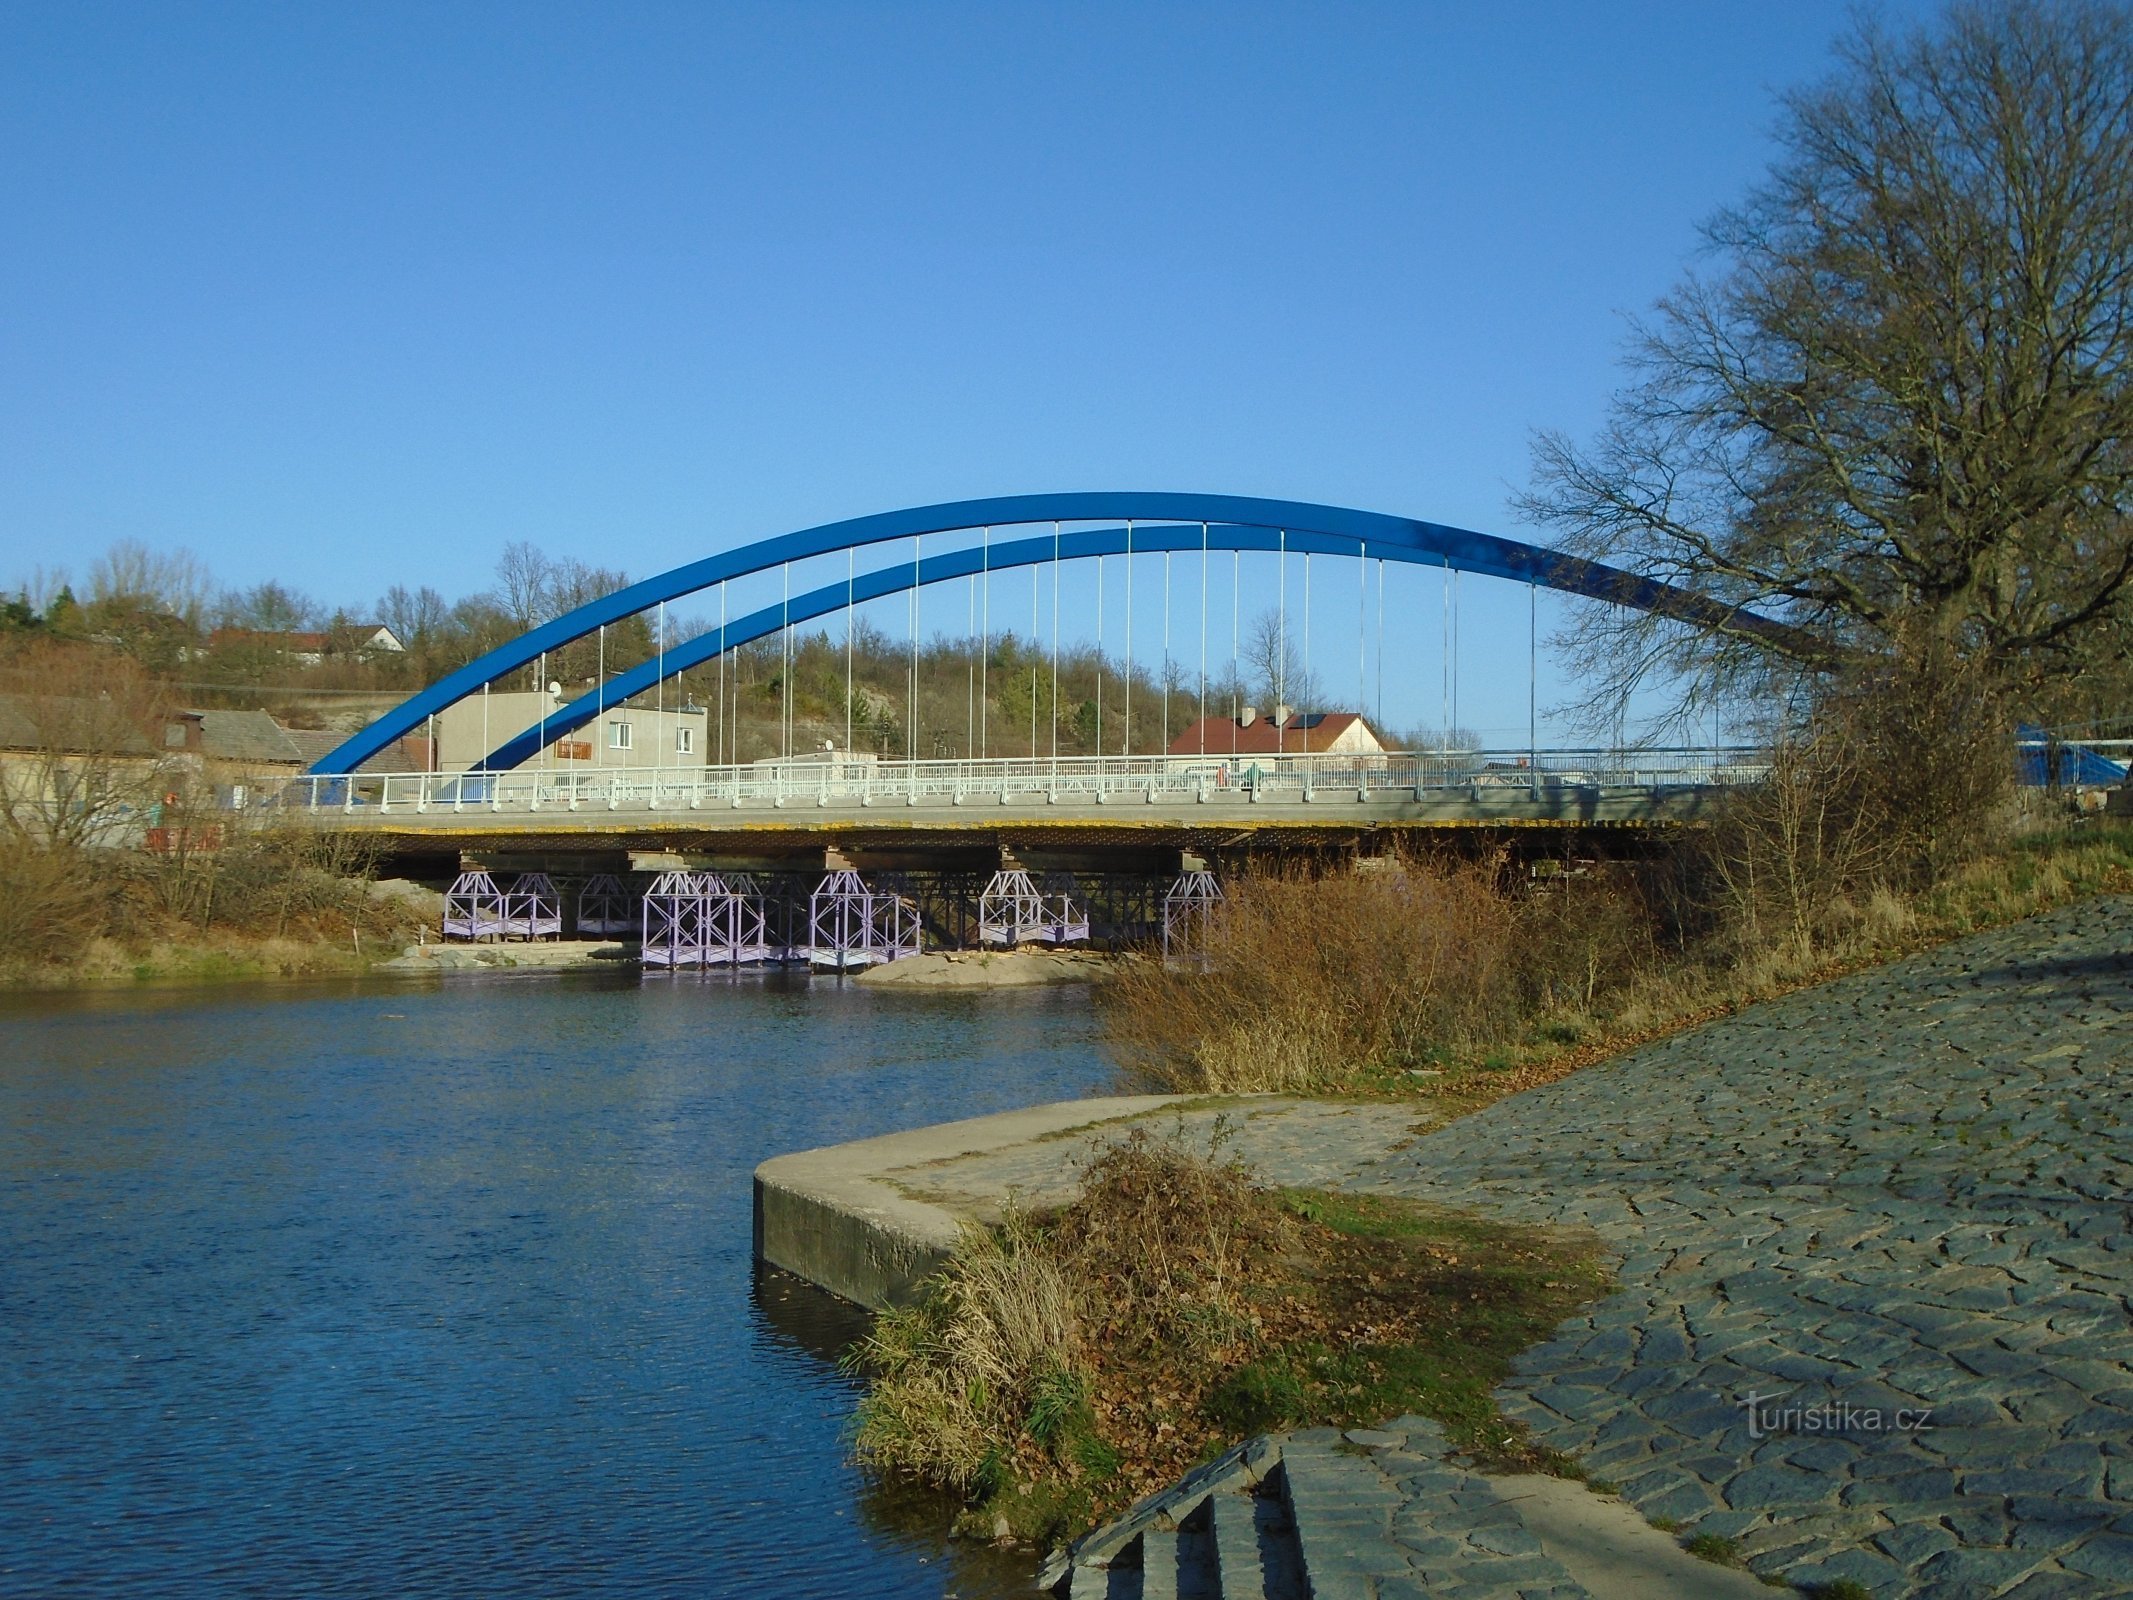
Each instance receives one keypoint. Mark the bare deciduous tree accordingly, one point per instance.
(80, 745)
(1898, 411)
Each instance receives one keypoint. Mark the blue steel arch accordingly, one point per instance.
(1182, 522)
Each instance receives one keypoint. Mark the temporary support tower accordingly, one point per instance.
(849, 926)
(532, 908)
(474, 908)
(606, 907)
(1011, 910)
(1187, 909)
(1066, 913)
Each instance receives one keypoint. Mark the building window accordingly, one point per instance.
(684, 741)
(618, 736)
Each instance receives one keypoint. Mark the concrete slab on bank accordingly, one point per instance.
(868, 1220)
(838, 1217)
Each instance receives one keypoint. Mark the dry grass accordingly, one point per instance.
(270, 902)
(1310, 979)
(1064, 1366)
(1465, 981)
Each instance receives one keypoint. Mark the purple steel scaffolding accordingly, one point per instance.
(1011, 910)
(532, 908)
(849, 926)
(1187, 908)
(1066, 912)
(759, 931)
(474, 908)
(699, 919)
(738, 935)
(677, 918)
(606, 906)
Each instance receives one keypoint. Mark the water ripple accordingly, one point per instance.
(366, 1291)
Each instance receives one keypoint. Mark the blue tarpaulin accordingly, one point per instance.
(2079, 767)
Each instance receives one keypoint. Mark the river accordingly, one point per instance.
(373, 1289)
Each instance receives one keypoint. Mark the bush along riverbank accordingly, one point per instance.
(1459, 980)
(1066, 1364)
(276, 903)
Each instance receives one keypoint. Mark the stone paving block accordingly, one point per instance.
(1764, 1488)
(2108, 1556)
(1910, 1543)
(2052, 1585)
(1875, 1572)
(1973, 1571)
(1902, 1491)
(2026, 1481)
(1681, 1499)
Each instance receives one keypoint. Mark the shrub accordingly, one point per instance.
(52, 903)
(1313, 977)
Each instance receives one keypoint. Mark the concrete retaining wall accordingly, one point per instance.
(844, 1218)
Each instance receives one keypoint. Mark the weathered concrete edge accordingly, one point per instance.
(831, 1216)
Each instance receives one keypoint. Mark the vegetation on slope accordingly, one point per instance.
(1066, 1364)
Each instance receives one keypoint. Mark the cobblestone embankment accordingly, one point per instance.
(1895, 1213)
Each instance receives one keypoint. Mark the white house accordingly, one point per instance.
(622, 736)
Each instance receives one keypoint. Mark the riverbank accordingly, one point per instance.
(989, 969)
(99, 921)
(1897, 1194)
(223, 955)
(553, 955)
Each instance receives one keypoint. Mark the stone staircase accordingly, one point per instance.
(1378, 1514)
(1223, 1532)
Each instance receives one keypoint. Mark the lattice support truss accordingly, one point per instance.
(699, 919)
(474, 908)
(1011, 910)
(849, 926)
(1066, 913)
(606, 907)
(532, 908)
(1188, 907)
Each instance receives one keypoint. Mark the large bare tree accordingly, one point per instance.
(1896, 407)
(81, 745)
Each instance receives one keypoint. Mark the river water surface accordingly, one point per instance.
(385, 1291)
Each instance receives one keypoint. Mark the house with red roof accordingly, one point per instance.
(1343, 733)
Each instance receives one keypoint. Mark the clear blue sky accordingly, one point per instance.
(350, 295)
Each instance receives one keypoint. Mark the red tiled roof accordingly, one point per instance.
(1225, 736)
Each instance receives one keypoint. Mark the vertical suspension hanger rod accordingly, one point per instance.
(985, 647)
(1533, 758)
(911, 736)
(1362, 630)
(1200, 708)
(1126, 738)
(1055, 650)
(1381, 645)
(1236, 582)
(1281, 647)
(785, 667)
(851, 568)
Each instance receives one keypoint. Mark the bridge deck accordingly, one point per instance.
(1094, 800)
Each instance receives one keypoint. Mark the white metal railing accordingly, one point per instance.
(842, 784)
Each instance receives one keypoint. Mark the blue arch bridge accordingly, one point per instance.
(843, 858)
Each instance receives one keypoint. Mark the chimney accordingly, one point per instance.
(1281, 715)
(1251, 715)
